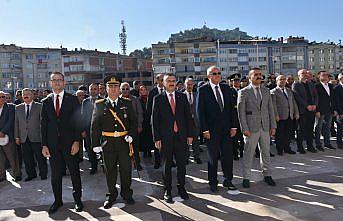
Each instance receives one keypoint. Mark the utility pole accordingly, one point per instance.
(123, 37)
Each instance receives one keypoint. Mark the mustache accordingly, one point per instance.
(258, 78)
(25, 97)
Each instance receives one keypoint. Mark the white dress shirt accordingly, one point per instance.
(30, 106)
(113, 101)
(190, 94)
(326, 87)
(213, 86)
(283, 90)
(256, 90)
(60, 98)
(159, 89)
(168, 95)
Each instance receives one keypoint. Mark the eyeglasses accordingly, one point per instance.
(216, 73)
(3, 96)
(125, 89)
(56, 80)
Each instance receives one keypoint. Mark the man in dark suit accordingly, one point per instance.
(155, 91)
(218, 123)
(307, 100)
(27, 134)
(338, 106)
(324, 111)
(191, 97)
(86, 113)
(60, 139)
(8, 150)
(135, 90)
(172, 131)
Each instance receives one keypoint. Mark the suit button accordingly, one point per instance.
(116, 125)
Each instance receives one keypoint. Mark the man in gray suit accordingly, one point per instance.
(137, 108)
(27, 134)
(257, 120)
(191, 97)
(285, 109)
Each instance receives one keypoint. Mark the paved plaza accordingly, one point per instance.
(309, 187)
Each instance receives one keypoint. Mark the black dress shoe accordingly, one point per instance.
(43, 177)
(214, 188)
(246, 183)
(130, 201)
(320, 148)
(302, 151)
(312, 150)
(157, 165)
(109, 202)
(290, 152)
(93, 171)
(269, 180)
(272, 155)
(78, 206)
(54, 207)
(183, 193)
(197, 160)
(330, 147)
(231, 187)
(235, 158)
(168, 196)
(17, 179)
(280, 153)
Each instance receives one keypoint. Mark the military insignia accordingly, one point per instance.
(123, 108)
(99, 101)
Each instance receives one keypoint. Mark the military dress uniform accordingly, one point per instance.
(111, 123)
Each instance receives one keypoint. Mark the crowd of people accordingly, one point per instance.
(112, 123)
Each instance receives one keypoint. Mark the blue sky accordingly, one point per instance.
(94, 24)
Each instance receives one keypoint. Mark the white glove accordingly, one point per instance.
(97, 149)
(128, 139)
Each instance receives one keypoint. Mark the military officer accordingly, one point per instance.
(113, 125)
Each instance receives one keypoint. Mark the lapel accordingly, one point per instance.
(31, 110)
(224, 95)
(64, 100)
(50, 100)
(212, 95)
(177, 101)
(252, 94)
(4, 109)
(109, 105)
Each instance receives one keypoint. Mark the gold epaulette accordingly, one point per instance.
(99, 101)
(126, 98)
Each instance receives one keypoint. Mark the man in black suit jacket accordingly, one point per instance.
(9, 150)
(219, 123)
(86, 113)
(324, 111)
(155, 91)
(307, 100)
(338, 107)
(60, 139)
(172, 131)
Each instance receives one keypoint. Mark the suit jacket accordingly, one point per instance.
(338, 97)
(208, 110)
(284, 107)
(325, 102)
(29, 128)
(163, 118)
(150, 100)
(87, 108)
(59, 131)
(300, 95)
(7, 120)
(253, 116)
(137, 108)
(193, 109)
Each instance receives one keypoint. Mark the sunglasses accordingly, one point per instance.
(216, 73)
(2, 96)
(125, 89)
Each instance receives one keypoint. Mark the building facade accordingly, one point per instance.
(322, 56)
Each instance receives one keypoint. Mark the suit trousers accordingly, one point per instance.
(32, 151)
(339, 131)
(219, 147)
(283, 135)
(60, 157)
(116, 152)
(178, 149)
(262, 138)
(9, 151)
(305, 130)
(323, 126)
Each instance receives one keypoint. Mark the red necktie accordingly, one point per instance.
(57, 105)
(172, 105)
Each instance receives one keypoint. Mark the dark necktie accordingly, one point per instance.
(284, 93)
(27, 111)
(114, 105)
(219, 99)
(172, 105)
(57, 105)
(161, 90)
(190, 98)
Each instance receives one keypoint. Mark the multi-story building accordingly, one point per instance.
(322, 56)
(38, 64)
(88, 66)
(339, 59)
(187, 58)
(11, 77)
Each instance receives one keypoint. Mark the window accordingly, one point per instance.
(29, 56)
(260, 59)
(322, 59)
(322, 67)
(233, 68)
(300, 57)
(311, 59)
(197, 59)
(232, 51)
(209, 59)
(243, 50)
(41, 56)
(233, 59)
(243, 59)
(76, 67)
(196, 50)
(321, 51)
(311, 51)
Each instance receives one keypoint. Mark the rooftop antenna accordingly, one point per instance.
(122, 37)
